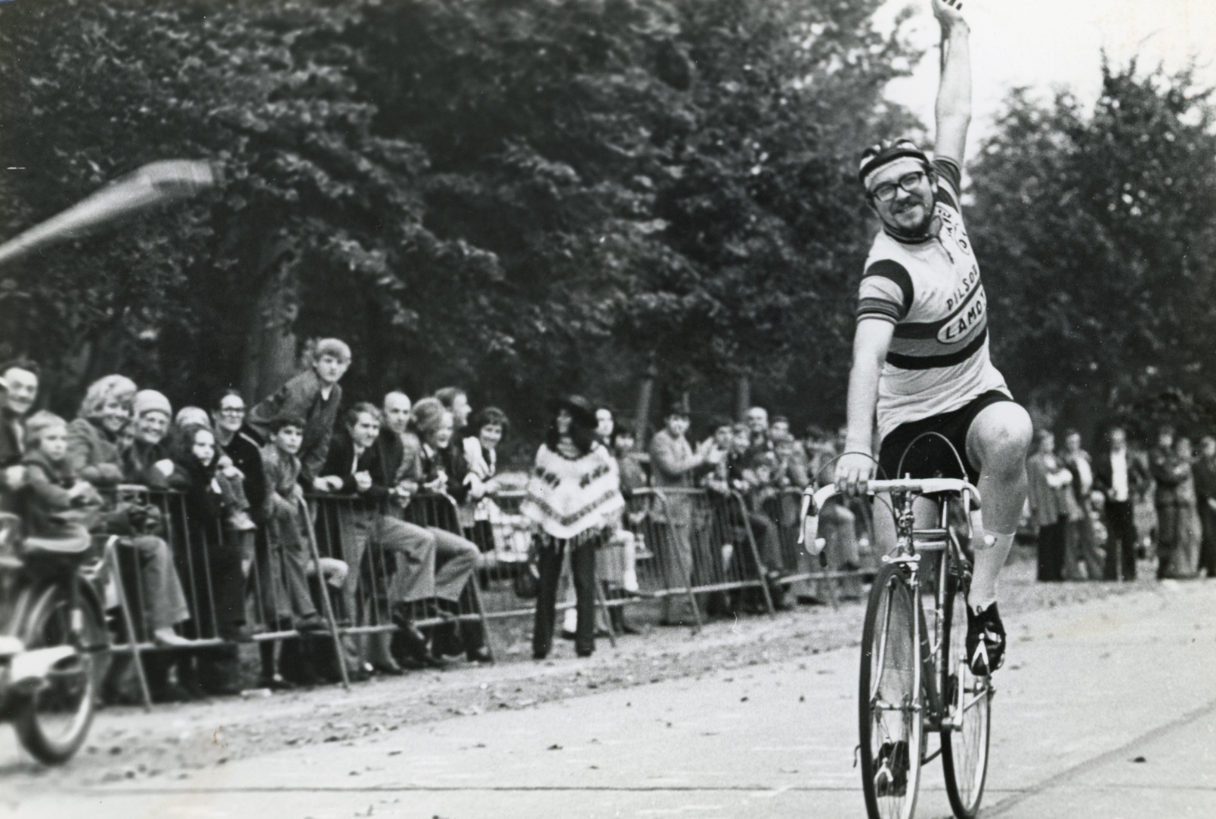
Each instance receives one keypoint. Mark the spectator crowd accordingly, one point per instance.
(242, 550)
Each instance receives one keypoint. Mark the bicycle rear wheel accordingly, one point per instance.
(891, 700)
(968, 704)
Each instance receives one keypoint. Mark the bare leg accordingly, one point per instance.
(997, 442)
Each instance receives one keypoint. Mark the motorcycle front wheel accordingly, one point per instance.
(54, 720)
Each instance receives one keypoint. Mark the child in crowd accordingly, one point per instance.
(231, 480)
(219, 604)
(287, 518)
(286, 564)
(481, 456)
(58, 504)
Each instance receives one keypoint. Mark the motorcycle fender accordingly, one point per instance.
(30, 668)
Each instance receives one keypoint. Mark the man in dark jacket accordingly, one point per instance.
(1121, 477)
(1168, 471)
(1205, 490)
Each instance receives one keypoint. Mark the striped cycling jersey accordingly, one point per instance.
(931, 291)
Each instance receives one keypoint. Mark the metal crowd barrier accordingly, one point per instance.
(631, 568)
(821, 576)
(690, 546)
(680, 544)
(349, 531)
(354, 604)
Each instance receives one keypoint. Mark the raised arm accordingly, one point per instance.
(870, 344)
(953, 110)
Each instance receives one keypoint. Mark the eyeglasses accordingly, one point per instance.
(909, 182)
(232, 410)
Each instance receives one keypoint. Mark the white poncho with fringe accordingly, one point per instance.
(571, 496)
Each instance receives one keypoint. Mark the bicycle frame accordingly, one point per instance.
(910, 545)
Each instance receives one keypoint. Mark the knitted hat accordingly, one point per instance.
(192, 415)
(151, 401)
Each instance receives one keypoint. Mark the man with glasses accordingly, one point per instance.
(240, 444)
(920, 350)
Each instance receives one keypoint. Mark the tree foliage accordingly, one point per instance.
(1098, 236)
(519, 196)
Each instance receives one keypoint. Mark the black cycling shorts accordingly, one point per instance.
(929, 457)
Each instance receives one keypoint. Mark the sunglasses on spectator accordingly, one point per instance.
(909, 182)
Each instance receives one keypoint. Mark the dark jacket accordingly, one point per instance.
(1205, 478)
(451, 461)
(1080, 493)
(1169, 471)
(204, 504)
(94, 454)
(10, 455)
(10, 444)
(139, 464)
(301, 397)
(243, 449)
(380, 460)
(1137, 475)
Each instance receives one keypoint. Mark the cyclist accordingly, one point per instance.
(920, 349)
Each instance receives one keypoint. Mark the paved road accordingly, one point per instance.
(1107, 709)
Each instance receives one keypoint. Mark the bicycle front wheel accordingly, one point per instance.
(891, 700)
(53, 721)
(967, 700)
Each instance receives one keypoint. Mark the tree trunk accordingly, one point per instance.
(743, 397)
(270, 343)
(645, 395)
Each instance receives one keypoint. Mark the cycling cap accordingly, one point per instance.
(887, 151)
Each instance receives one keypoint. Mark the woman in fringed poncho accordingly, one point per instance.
(574, 497)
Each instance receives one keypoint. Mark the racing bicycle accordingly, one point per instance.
(915, 679)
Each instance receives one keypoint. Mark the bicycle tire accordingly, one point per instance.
(890, 684)
(965, 741)
(70, 694)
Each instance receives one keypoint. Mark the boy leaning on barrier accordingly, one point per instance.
(286, 519)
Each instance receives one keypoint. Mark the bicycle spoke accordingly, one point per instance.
(965, 739)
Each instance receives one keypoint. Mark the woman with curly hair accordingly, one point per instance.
(95, 454)
(93, 438)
